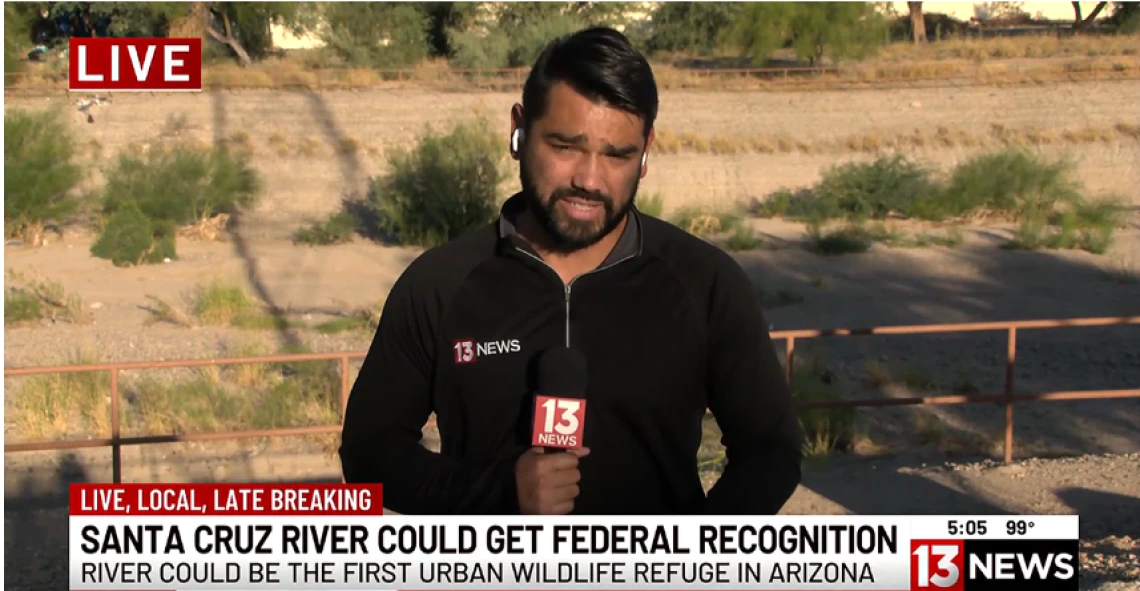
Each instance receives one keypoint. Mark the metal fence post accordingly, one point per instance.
(116, 445)
(1011, 355)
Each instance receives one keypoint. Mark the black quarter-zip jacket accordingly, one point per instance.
(670, 325)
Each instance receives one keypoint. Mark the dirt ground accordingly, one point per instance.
(1089, 449)
(316, 172)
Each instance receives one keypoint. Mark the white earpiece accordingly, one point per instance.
(516, 140)
(644, 157)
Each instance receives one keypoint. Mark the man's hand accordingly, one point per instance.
(547, 483)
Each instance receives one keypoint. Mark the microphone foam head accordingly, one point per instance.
(562, 372)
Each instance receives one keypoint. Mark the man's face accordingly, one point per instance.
(580, 166)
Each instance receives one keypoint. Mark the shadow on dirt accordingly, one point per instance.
(874, 487)
(242, 248)
(36, 523)
(1097, 507)
(977, 284)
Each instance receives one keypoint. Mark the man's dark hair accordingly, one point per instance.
(599, 63)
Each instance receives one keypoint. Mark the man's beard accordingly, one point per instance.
(567, 234)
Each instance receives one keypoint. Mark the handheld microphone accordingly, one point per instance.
(560, 404)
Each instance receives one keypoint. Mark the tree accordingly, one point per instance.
(377, 34)
(917, 23)
(245, 26)
(839, 29)
(242, 26)
(1125, 17)
(693, 27)
(1078, 22)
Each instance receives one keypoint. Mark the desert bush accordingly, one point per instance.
(129, 238)
(337, 229)
(652, 204)
(470, 50)
(222, 304)
(515, 45)
(528, 40)
(181, 185)
(700, 221)
(1043, 196)
(827, 430)
(1015, 182)
(445, 186)
(39, 173)
(867, 190)
(20, 306)
(35, 298)
(354, 31)
(62, 405)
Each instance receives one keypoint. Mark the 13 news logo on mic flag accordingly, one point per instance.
(336, 536)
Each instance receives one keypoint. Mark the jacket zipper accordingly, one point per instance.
(568, 286)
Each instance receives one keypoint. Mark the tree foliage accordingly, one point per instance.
(838, 30)
(693, 27)
(377, 34)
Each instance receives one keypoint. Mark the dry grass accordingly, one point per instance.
(220, 303)
(670, 142)
(1012, 48)
(61, 405)
(982, 61)
(216, 304)
(365, 319)
(30, 298)
(204, 399)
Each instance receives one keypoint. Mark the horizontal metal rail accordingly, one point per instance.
(1007, 398)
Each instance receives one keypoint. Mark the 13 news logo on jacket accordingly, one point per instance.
(994, 565)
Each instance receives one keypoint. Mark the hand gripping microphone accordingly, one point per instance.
(560, 403)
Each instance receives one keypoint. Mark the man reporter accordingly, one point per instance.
(669, 324)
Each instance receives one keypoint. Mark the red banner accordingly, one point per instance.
(226, 499)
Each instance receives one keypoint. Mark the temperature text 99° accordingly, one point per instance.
(1018, 527)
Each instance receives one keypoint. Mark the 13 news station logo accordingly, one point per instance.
(558, 422)
(134, 64)
(994, 565)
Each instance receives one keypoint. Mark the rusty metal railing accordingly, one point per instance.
(116, 441)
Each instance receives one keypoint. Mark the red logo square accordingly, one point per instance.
(937, 565)
(558, 422)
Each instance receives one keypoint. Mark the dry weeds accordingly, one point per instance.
(981, 61)
(31, 298)
(670, 142)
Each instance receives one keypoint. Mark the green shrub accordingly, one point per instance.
(868, 190)
(652, 204)
(445, 186)
(19, 306)
(471, 50)
(529, 39)
(355, 29)
(182, 185)
(131, 238)
(827, 430)
(1012, 181)
(39, 172)
(337, 229)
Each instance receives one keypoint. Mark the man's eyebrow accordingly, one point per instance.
(566, 139)
(580, 139)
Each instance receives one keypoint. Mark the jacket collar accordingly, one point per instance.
(630, 243)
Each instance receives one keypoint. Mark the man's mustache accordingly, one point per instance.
(564, 193)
